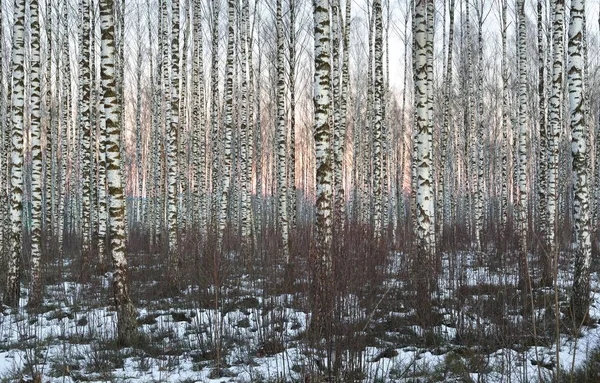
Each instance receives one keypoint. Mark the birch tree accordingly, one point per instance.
(340, 200)
(324, 175)
(479, 141)
(580, 299)
(523, 151)
(554, 117)
(198, 118)
(166, 36)
(85, 121)
(3, 157)
(246, 123)
(214, 113)
(171, 149)
(282, 213)
(543, 150)
(292, 147)
(424, 135)
(127, 326)
(156, 123)
(65, 119)
(36, 158)
(504, 126)
(138, 126)
(442, 207)
(102, 165)
(12, 291)
(225, 172)
(541, 122)
(378, 121)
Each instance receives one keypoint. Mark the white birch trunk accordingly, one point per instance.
(214, 114)
(480, 128)
(171, 149)
(521, 222)
(324, 173)
(292, 147)
(505, 126)
(65, 108)
(3, 154)
(127, 326)
(580, 299)
(378, 164)
(36, 158)
(543, 155)
(198, 118)
(424, 223)
(85, 121)
(443, 211)
(137, 219)
(12, 291)
(246, 125)
(225, 171)
(555, 103)
(282, 213)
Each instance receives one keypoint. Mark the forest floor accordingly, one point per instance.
(478, 334)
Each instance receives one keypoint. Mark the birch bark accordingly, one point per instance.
(127, 326)
(322, 261)
(580, 299)
(36, 159)
(12, 291)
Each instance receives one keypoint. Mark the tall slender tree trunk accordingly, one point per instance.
(479, 141)
(580, 299)
(214, 114)
(183, 208)
(470, 155)
(166, 119)
(48, 170)
(543, 155)
(505, 127)
(171, 149)
(258, 224)
(293, 199)
(3, 154)
(12, 291)
(152, 158)
(247, 37)
(596, 195)
(367, 144)
(340, 193)
(139, 178)
(335, 111)
(443, 211)
(198, 118)
(425, 228)
(85, 121)
(248, 90)
(65, 108)
(225, 173)
(322, 262)
(127, 326)
(555, 126)
(378, 166)
(36, 159)
(430, 78)
(102, 194)
(94, 122)
(522, 227)
(282, 212)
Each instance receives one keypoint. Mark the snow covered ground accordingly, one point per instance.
(260, 339)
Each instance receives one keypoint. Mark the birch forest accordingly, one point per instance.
(299, 191)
